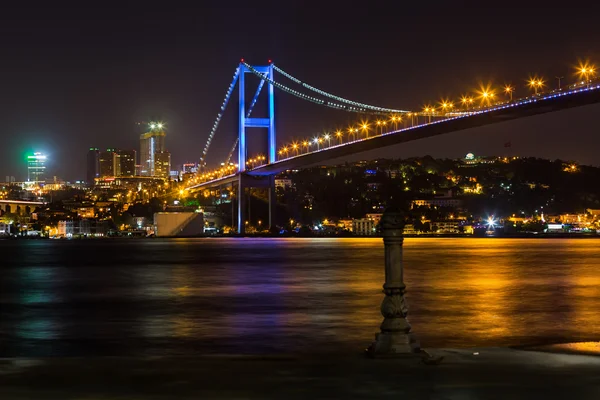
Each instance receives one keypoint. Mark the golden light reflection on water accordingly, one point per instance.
(581, 347)
(298, 293)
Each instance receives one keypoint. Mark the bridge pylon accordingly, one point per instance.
(247, 122)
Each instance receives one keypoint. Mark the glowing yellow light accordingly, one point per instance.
(584, 70)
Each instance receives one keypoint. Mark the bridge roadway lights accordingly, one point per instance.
(247, 181)
(395, 338)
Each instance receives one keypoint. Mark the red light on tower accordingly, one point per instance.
(270, 61)
(242, 60)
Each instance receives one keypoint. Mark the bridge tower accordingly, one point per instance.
(265, 123)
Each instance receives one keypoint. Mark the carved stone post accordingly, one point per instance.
(395, 338)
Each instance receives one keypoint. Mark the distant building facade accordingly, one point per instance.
(110, 163)
(440, 202)
(83, 227)
(126, 162)
(162, 164)
(107, 163)
(363, 227)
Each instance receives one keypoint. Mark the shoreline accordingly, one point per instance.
(267, 236)
(486, 373)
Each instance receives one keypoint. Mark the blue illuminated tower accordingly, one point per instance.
(246, 122)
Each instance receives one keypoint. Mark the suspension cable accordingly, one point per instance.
(337, 98)
(312, 99)
(255, 99)
(219, 116)
(231, 151)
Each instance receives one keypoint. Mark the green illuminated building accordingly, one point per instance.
(36, 167)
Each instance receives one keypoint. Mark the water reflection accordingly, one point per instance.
(267, 295)
(581, 347)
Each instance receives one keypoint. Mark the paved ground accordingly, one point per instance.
(487, 373)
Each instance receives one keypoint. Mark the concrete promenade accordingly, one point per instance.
(486, 373)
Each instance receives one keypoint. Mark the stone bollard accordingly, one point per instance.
(395, 338)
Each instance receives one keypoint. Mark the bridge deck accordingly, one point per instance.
(525, 108)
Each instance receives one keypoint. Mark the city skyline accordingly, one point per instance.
(185, 89)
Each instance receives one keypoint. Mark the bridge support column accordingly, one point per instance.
(241, 216)
(246, 182)
(395, 338)
(272, 202)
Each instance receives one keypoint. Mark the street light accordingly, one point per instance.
(395, 121)
(508, 89)
(585, 71)
(306, 144)
(465, 101)
(365, 128)
(446, 106)
(328, 138)
(487, 96)
(351, 132)
(316, 141)
(535, 83)
(428, 110)
(339, 134)
(558, 78)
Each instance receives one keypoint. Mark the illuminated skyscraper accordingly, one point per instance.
(107, 163)
(151, 143)
(162, 164)
(36, 167)
(93, 165)
(126, 160)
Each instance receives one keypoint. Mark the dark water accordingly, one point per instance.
(190, 296)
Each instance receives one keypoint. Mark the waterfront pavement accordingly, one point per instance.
(479, 373)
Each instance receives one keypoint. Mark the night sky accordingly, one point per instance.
(73, 78)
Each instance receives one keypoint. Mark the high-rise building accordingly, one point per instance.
(36, 167)
(151, 143)
(126, 162)
(93, 165)
(107, 163)
(112, 162)
(162, 164)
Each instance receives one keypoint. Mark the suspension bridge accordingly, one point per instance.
(415, 125)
